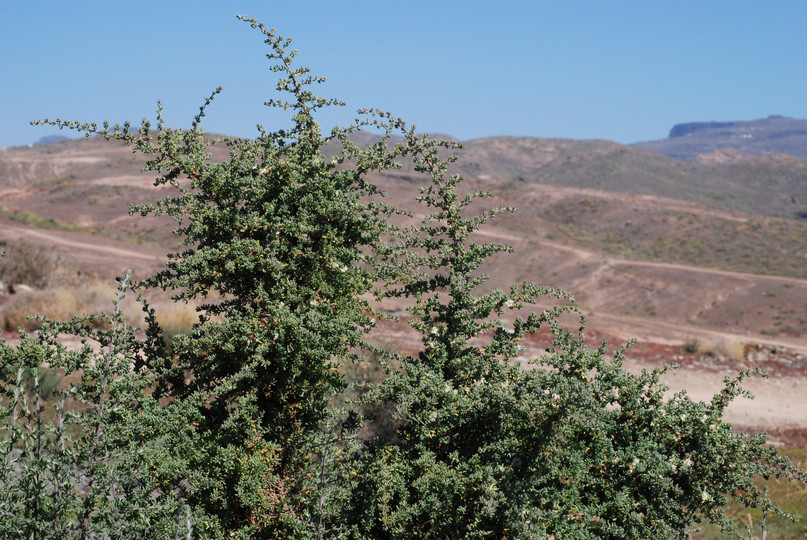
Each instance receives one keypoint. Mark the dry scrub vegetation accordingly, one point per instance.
(37, 283)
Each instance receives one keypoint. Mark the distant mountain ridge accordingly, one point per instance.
(720, 176)
(772, 185)
(51, 139)
(772, 135)
(757, 167)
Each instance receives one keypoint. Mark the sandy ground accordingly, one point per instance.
(779, 402)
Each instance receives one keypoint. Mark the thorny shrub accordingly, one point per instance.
(231, 431)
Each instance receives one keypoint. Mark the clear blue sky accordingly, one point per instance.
(598, 69)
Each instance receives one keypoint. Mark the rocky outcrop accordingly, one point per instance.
(681, 130)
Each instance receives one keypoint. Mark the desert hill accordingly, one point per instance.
(703, 262)
(755, 167)
(772, 135)
(628, 231)
(771, 185)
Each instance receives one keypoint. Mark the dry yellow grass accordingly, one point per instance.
(724, 347)
(63, 302)
(175, 317)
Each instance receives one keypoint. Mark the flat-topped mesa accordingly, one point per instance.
(681, 130)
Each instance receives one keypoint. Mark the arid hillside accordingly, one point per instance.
(705, 262)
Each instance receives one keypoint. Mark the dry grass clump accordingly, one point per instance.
(27, 264)
(174, 318)
(724, 348)
(719, 347)
(62, 303)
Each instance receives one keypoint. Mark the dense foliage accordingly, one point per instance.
(236, 429)
(77, 460)
(571, 446)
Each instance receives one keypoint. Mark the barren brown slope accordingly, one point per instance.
(772, 185)
(665, 270)
(621, 254)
